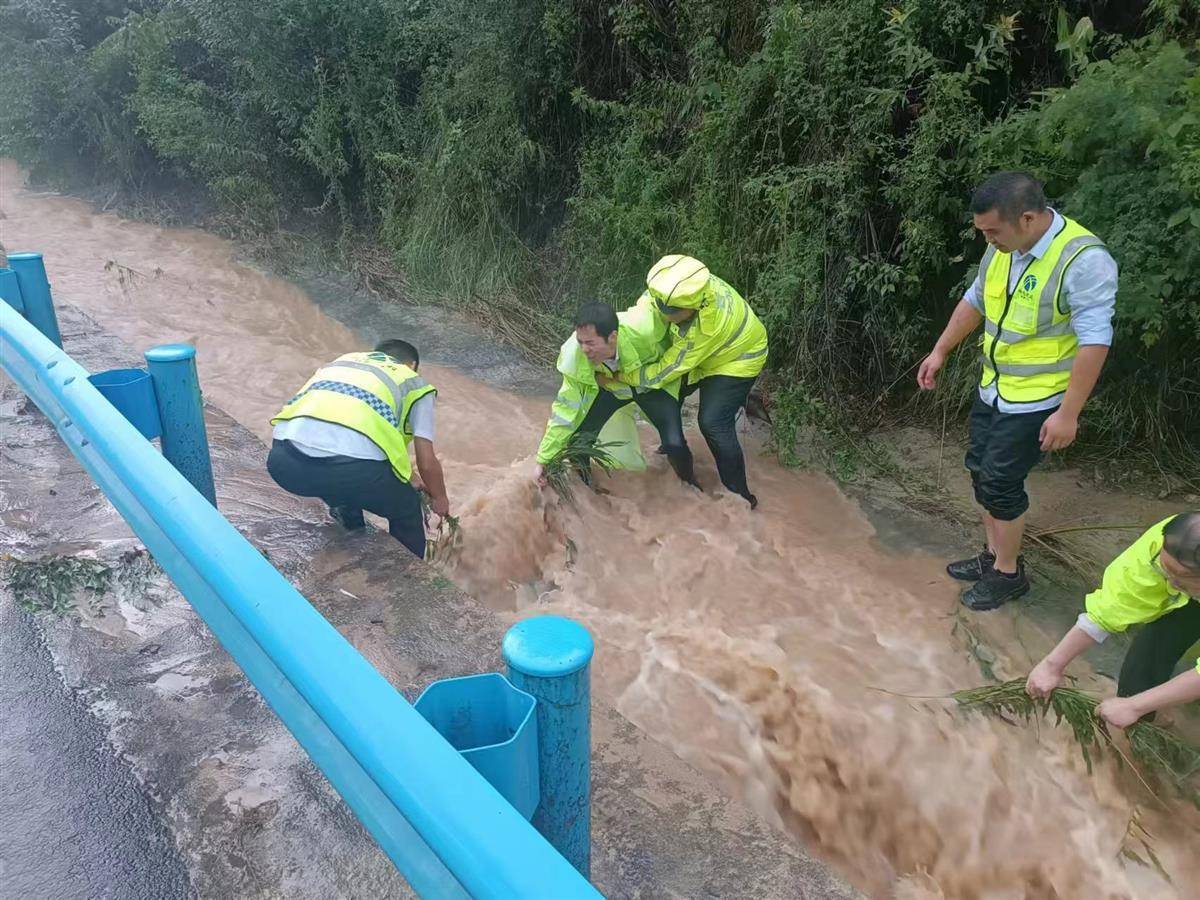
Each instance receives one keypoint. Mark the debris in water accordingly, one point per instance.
(1136, 834)
(1161, 754)
(578, 457)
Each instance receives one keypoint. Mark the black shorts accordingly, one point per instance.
(1157, 648)
(352, 485)
(1001, 451)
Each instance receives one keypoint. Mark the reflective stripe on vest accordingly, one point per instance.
(398, 391)
(1063, 365)
(351, 390)
(1013, 337)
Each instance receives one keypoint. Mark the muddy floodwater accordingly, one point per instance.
(767, 648)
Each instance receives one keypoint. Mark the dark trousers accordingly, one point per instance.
(350, 486)
(663, 412)
(1157, 648)
(721, 396)
(1001, 450)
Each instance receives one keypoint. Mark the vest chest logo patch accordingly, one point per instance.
(1029, 283)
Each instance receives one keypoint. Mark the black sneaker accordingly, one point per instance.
(995, 589)
(974, 568)
(348, 517)
(752, 500)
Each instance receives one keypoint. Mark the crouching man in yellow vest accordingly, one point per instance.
(1154, 584)
(605, 344)
(1045, 292)
(718, 348)
(345, 437)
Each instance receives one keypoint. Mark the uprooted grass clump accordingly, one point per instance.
(447, 537)
(1155, 754)
(581, 456)
(55, 584)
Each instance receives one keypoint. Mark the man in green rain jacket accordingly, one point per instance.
(605, 344)
(718, 348)
(1155, 584)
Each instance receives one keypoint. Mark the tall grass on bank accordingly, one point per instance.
(520, 157)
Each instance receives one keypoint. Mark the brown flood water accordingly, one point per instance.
(755, 645)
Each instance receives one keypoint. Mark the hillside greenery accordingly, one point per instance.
(526, 155)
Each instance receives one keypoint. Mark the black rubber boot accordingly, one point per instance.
(974, 568)
(348, 517)
(995, 589)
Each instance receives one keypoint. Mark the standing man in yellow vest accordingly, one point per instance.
(1045, 293)
(345, 438)
(718, 348)
(1155, 583)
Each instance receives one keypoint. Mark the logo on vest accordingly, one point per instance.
(1029, 283)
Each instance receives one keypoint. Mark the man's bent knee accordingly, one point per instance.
(977, 488)
(673, 444)
(718, 428)
(1004, 500)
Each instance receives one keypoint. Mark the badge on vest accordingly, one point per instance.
(1023, 313)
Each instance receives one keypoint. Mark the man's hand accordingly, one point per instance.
(539, 475)
(930, 366)
(440, 505)
(1120, 712)
(1043, 679)
(1058, 431)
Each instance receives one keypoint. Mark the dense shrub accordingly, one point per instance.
(818, 154)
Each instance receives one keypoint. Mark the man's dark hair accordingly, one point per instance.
(401, 351)
(1010, 193)
(600, 316)
(1181, 538)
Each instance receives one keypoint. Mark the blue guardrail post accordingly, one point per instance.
(10, 290)
(35, 293)
(181, 411)
(549, 657)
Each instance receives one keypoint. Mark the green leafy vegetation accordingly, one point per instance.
(56, 584)
(581, 456)
(1155, 754)
(519, 157)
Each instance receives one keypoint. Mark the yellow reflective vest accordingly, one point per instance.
(368, 392)
(641, 338)
(725, 337)
(1134, 590)
(1028, 344)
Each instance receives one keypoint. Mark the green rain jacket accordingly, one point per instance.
(641, 339)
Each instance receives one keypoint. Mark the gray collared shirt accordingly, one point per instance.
(615, 363)
(1089, 291)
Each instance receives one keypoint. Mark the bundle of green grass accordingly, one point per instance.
(1155, 754)
(581, 456)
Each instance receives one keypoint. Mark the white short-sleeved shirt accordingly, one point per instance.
(318, 438)
(1089, 290)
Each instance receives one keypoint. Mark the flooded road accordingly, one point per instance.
(761, 647)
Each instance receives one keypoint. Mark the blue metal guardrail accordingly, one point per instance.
(444, 827)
